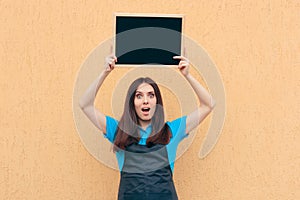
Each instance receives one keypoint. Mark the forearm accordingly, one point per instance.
(204, 97)
(89, 96)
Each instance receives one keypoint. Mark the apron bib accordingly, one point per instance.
(146, 174)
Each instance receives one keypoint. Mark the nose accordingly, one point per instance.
(145, 100)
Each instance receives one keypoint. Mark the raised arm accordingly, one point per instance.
(86, 102)
(207, 103)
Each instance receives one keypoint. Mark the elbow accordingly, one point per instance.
(81, 104)
(212, 104)
(83, 107)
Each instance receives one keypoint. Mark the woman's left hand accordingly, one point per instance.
(183, 65)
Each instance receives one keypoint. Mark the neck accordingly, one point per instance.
(144, 124)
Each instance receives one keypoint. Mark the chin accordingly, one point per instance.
(145, 119)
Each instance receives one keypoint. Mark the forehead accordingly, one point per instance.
(145, 88)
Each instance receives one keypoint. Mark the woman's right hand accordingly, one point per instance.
(110, 62)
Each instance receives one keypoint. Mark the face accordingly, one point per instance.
(145, 103)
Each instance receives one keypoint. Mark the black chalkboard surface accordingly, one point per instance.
(142, 40)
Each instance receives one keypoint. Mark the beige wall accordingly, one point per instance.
(255, 45)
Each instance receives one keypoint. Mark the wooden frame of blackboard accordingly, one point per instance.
(137, 15)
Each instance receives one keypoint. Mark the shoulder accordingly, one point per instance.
(177, 126)
(111, 128)
(111, 121)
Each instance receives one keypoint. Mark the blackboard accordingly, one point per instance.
(143, 40)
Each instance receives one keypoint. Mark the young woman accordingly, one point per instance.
(145, 145)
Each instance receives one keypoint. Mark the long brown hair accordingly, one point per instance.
(128, 133)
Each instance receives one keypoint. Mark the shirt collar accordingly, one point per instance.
(145, 133)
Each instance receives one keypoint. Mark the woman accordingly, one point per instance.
(145, 145)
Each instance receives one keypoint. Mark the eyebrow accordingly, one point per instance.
(152, 91)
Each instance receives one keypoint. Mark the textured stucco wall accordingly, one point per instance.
(255, 45)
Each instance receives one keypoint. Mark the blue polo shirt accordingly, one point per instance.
(177, 127)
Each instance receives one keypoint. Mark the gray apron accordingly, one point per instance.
(146, 174)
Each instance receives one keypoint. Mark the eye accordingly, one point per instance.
(151, 95)
(138, 96)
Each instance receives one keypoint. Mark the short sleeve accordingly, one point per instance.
(178, 128)
(111, 128)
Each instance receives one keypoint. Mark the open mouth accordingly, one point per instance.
(145, 110)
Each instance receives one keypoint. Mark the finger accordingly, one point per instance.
(185, 64)
(181, 58)
(111, 59)
(111, 66)
(115, 59)
(181, 67)
(178, 57)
